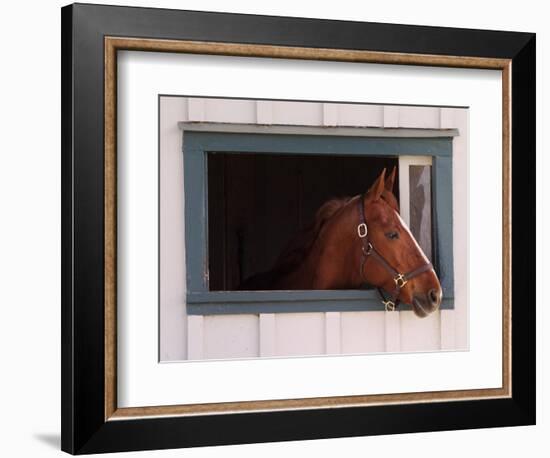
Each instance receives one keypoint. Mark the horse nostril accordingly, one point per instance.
(434, 297)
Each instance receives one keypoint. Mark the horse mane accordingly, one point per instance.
(300, 245)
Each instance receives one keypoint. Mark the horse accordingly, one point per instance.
(355, 241)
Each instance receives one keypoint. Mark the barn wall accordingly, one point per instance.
(266, 335)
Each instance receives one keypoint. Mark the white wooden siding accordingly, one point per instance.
(297, 334)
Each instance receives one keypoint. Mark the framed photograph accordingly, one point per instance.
(283, 228)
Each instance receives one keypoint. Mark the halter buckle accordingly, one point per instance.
(389, 306)
(362, 230)
(400, 281)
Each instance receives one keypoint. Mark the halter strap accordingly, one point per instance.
(368, 249)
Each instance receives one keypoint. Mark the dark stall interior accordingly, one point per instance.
(256, 202)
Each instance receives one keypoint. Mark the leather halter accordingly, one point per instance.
(400, 280)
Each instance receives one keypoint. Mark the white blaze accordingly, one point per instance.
(412, 237)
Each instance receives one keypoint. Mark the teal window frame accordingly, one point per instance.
(198, 143)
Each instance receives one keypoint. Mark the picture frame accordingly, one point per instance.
(91, 37)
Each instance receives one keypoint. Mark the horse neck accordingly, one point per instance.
(334, 259)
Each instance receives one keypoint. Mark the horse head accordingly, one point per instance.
(393, 260)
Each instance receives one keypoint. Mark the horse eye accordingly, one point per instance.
(392, 235)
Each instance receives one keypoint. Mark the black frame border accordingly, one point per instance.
(84, 429)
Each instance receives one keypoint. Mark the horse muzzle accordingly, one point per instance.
(424, 304)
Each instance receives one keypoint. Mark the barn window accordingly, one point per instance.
(248, 189)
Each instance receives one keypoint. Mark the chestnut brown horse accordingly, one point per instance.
(354, 241)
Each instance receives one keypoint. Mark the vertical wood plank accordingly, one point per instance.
(404, 182)
(419, 117)
(453, 118)
(195, 337)
(360, 115)
(420, 334)
(404, 197)
(363, 332)
(300, 334)
(391, 116)
(333, 333)
(443, 207)
(446, 117)
(172, 313)
(267, 334)
(420, 206)
(196, 109)
(393, 332)
(230, 336)
(230, 110)
(447, 326)
(297, 113)
(330, 114)
(264, 112)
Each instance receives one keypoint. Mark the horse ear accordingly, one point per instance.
(377, 188)
(390, 180)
